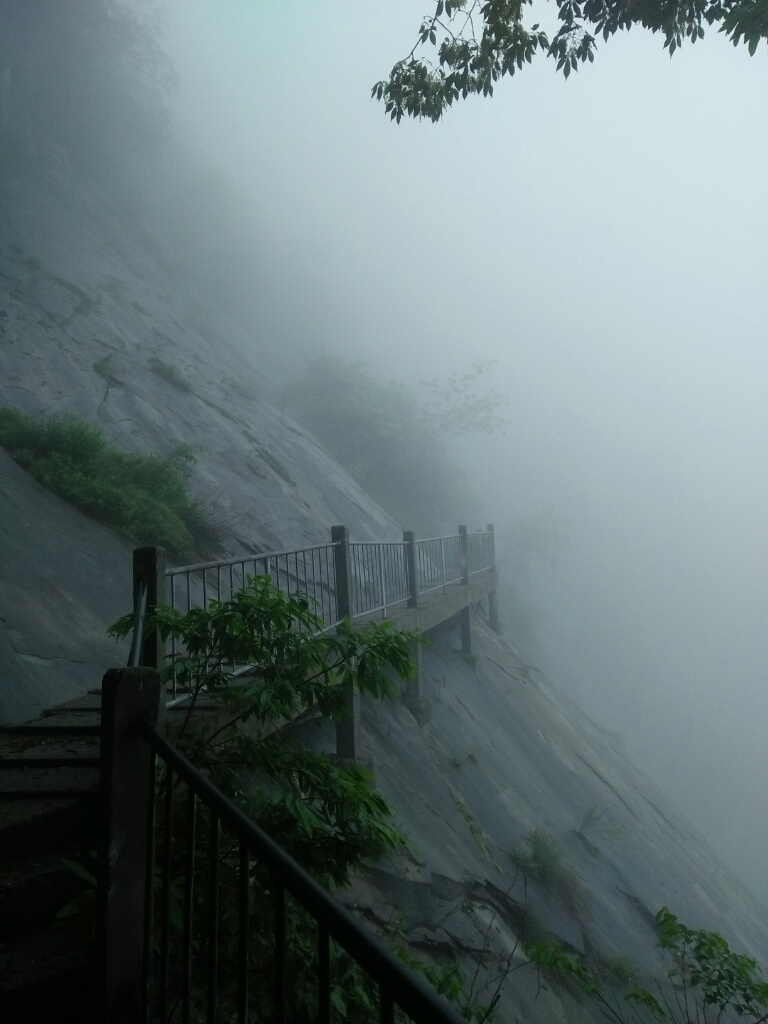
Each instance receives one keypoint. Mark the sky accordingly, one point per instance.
(604, 240)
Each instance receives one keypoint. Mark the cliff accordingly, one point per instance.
(98, 319)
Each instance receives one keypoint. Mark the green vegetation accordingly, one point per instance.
(476, 43)
(541, 857)
(615, 970)
(707, 981)
(325, 813)
(597, 824)
(105, 370)
(477, 833)
(170, 373)
(144, 498)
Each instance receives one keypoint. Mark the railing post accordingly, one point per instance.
(348, 728)
(464, 550)
(149, 569)
(129, 696)
(465, 615)
(413, 700)
(411, 574)
(491, 546)
(493, 607)
(382, 576)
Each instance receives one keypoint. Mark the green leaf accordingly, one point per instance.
(80, 871)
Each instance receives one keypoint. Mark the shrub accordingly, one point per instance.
(706, 980)
(169, 372)
(142, 497)
(541, 857)
(597, 824)
(325, 813)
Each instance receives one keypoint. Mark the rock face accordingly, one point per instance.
(94, 322)
(503, 758)
(65, 579)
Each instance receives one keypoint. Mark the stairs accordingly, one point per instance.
(49, 773)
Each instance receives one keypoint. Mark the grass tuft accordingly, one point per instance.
(597, 824)
(169, 372)
(541, 857)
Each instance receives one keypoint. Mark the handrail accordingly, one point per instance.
(438, 567)
(445, 536)
(255, 556)
(354, 580)
(378, 576)
(398, 985)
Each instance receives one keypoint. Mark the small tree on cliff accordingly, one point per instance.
(705, 982)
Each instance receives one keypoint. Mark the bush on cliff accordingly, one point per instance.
(144, 498)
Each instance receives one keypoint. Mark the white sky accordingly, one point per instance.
(605, 239)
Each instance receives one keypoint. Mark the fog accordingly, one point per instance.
(604, 240)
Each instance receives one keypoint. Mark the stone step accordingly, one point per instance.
(49, 776)
(48, 744)
(90, 702)
(81, 726)
(48, 783)
(37, 826)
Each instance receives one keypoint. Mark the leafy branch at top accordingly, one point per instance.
(474, 43)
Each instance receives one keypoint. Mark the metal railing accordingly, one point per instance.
(438, 561)
(379, 572)
(480, 555)
(225, 880)
(176, 971)
(309, 571)
(376, 578)
(379, 577)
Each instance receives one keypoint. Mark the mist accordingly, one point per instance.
(603, 242)
(601, 239)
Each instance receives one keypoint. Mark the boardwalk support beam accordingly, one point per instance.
(348, 728)
(465, 615)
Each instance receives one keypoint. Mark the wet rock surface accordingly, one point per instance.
(97, 320)
(505, 755)
(94, 322)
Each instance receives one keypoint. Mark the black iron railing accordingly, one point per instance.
(220, 897)
(439, 562)
(199, 906)
(186, 935)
